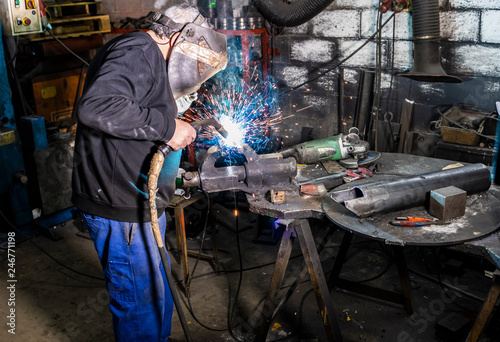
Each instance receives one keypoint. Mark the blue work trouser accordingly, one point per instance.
(140, 299)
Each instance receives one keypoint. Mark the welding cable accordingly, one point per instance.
(67, 48)
(46, 253)
(437, 281)
(240, 261)
(191, 277)
(454, 288)
(342, 61)
(441, 284)
(378, 57)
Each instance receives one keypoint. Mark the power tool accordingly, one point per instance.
(336, 147)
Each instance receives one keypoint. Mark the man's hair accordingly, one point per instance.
(181, 14)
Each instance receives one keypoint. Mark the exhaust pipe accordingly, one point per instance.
(426, 38)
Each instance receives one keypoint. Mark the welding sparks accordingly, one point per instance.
(248, 111)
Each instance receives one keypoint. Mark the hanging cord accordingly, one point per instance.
(64, 46)
(190, 306)
(343, 60)
(240, 261)
(379, 75)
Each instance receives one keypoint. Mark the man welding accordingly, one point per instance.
(128, 107)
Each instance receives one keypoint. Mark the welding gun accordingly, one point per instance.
(198, 126)
(333, 148)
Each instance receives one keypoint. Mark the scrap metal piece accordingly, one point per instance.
(446, 203)
(366, 200)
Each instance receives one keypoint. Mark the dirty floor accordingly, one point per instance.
(56, 300)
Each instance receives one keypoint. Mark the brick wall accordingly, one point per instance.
(470, 49)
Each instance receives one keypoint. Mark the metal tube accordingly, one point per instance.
(364, 103)
(366, 200)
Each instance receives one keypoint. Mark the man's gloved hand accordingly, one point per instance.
(184, 102)
(184, 135)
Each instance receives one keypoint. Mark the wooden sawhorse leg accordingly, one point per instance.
(486, 309)
(180, 231)
(302, 230)
(404, 298)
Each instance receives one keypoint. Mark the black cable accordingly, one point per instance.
(46, 253)
(67, 48)
(441, 284)
(342, 61)
(240, 279)
(465, 128)
(191, 277)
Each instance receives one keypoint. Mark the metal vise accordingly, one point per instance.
(257, 175)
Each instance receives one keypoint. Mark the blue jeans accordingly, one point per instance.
(140, 299)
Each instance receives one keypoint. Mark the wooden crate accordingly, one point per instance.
(75, 19)
(55, 94)
(84, 8)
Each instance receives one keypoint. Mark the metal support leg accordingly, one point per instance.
(404, 278)
(404, 298)
(486, 309)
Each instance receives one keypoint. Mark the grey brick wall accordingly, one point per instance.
(470, 49)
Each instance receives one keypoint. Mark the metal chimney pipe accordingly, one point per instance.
(426, 39)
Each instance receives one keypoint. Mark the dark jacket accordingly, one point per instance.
(127, 107)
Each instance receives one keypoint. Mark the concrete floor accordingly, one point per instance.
(56, 304)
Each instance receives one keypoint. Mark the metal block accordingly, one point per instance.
(446, 203)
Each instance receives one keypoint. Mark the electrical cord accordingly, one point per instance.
(465, 128)
(46, 253)
(67, 48)
(343, 60)
(240, 261)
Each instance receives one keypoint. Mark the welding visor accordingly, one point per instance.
(198, 54)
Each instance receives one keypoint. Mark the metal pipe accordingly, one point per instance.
(365, 101)
(290, 14)
(426, 40)
(366, 200)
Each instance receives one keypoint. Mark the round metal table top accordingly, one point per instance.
(482, 214)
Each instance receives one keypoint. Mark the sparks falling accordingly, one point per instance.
(247, 112)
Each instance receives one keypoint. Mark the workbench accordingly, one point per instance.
(472, 230)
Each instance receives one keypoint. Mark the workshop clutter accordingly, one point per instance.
(466, 125)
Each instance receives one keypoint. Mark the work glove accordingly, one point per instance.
(184, 102)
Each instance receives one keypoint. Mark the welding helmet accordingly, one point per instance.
(198, 54)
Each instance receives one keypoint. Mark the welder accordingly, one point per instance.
(128, 108)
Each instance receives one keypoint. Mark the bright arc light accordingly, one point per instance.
(236, 131)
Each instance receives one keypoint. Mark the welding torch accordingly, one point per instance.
(154, 172)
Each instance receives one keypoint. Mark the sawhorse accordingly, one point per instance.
(298, 228)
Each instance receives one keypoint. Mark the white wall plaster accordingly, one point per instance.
(460, 26)
(340, 23)
(357, 3)
(312, 50)
(293, 76)
(483, 4)
(403, 59)
(478, 60)
(490, 27)
(369, 24)
(364, 58)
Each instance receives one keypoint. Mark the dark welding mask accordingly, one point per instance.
(198, 54)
